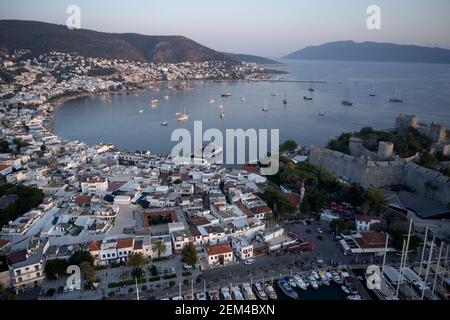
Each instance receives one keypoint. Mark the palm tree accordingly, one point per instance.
(159, 247)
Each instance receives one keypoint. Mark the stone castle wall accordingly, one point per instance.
(360, 170)
(416, 177)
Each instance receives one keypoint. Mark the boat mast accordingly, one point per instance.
(137, 289)
(428, 269)
(401, 263)
(438, 268)
(423, 251)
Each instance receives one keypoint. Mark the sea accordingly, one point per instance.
(130, 122)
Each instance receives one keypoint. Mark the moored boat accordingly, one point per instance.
(270, 291)
(248, 292)
(300, 283)
(213, 295)
(225, 292)
(287, 289)
(259, 290)
(236, 293)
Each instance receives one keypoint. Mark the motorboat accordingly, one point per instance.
(316, 275)
(336, 277)
(154, 101)
(287, 289)
(164, 124)
(213, 295)
(354, 297)
(236, 293)
(200, 296)
(300, 283)
(177, 298)
(270, 291)
(324, 278)
(248, 292)
(313, 282)
(259, 290)
(345, 289)
(225, 291)
(226, 94)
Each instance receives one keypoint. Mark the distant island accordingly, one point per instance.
(40, 37)
(251, 59)
(372, 51)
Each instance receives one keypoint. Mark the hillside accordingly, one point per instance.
(371, 51)
(251, 58)
(42, 37)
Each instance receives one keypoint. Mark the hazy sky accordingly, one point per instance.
(267, 27)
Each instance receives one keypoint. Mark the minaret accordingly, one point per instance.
(302, 192)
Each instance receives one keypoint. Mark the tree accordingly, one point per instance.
(159, 247)
(81, 256)
(375, 199)
(288, 146)
(55, 268)
(189, 254)
(88, 272)
(136, 260)
(398, 237)
(338, 225)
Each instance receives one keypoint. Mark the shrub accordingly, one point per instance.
(186, 274)
(169, 276)
(153, 279)
(51, 292)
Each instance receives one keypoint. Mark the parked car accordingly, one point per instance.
(319, 230)
(249, 261)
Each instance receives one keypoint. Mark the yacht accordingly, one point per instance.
(329, 276)
(166, 97)
(141, 110)
(270, 291)
(336, 277)
(347, 101)
(300, 283)
(236, 293)
(225, 291)
(260, 291)
(154, 101)
(274, 94)
(213, 295)
(248, 292)
(164, 124)
(287, 289)
(226, 95)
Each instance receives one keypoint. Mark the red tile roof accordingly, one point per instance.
(252, 169)
(244, 209)
(367, 218)
(263, 209)
(4, 166)
(80, 200)
(17, 256)
(372, 240)
(125, 243)
(217, 249)
(94, 245)
(195, 232)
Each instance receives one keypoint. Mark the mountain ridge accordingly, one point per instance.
(372, 51)
(41, 37)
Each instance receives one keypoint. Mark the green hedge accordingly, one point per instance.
(169, 276)
(153, 279)
(187, 274)
(160, 259)
(126, 283)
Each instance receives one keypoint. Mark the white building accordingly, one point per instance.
(95, 185)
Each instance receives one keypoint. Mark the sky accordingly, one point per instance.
(265, 27)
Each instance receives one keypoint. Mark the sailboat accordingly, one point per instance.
(265, 108)
(211, 100)
(221, 112)
(347, 101)
(372, 93)
(285, 99)
(183, 116)
(308, 96)
(396, 98)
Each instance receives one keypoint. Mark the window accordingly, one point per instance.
(18, 272)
